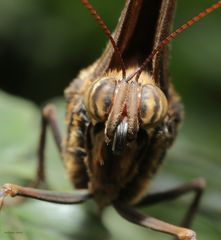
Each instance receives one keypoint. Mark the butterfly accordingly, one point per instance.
(122, 115)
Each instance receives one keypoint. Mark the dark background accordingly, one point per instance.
(43, 45)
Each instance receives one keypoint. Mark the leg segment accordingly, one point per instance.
(77, 196)
(153, 223)
(197, 186)
(48, 118)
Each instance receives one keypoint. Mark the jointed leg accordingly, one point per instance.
(48, 119)
(77, 196)
(197, 186)
(153, 223)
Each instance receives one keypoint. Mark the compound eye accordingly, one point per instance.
(154, 106)
(98, 98)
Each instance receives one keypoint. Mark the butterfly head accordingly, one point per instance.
(125, 106)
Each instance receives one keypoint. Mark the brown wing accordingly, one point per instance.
(142, 25)
(164, 28)
(122, 35)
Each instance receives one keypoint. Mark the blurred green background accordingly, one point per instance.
(43, 44)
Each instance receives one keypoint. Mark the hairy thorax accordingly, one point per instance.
(93, 119)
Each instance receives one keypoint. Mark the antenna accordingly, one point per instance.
(107, 33)
(172, 36)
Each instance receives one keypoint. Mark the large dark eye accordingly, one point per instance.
(153, 106)
(98, 98)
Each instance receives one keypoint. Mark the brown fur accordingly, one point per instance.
(110, 177)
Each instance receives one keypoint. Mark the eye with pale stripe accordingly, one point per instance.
(153, 105)
(98, 98)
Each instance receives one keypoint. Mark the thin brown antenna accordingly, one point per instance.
(172, 36)
(107, 33)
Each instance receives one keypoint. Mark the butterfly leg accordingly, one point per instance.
(197, 186)
(48, 119)
(149, 222)
(12, 190)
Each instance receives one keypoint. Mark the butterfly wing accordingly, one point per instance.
(142, 26)
(160, 60)
(122, 34)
